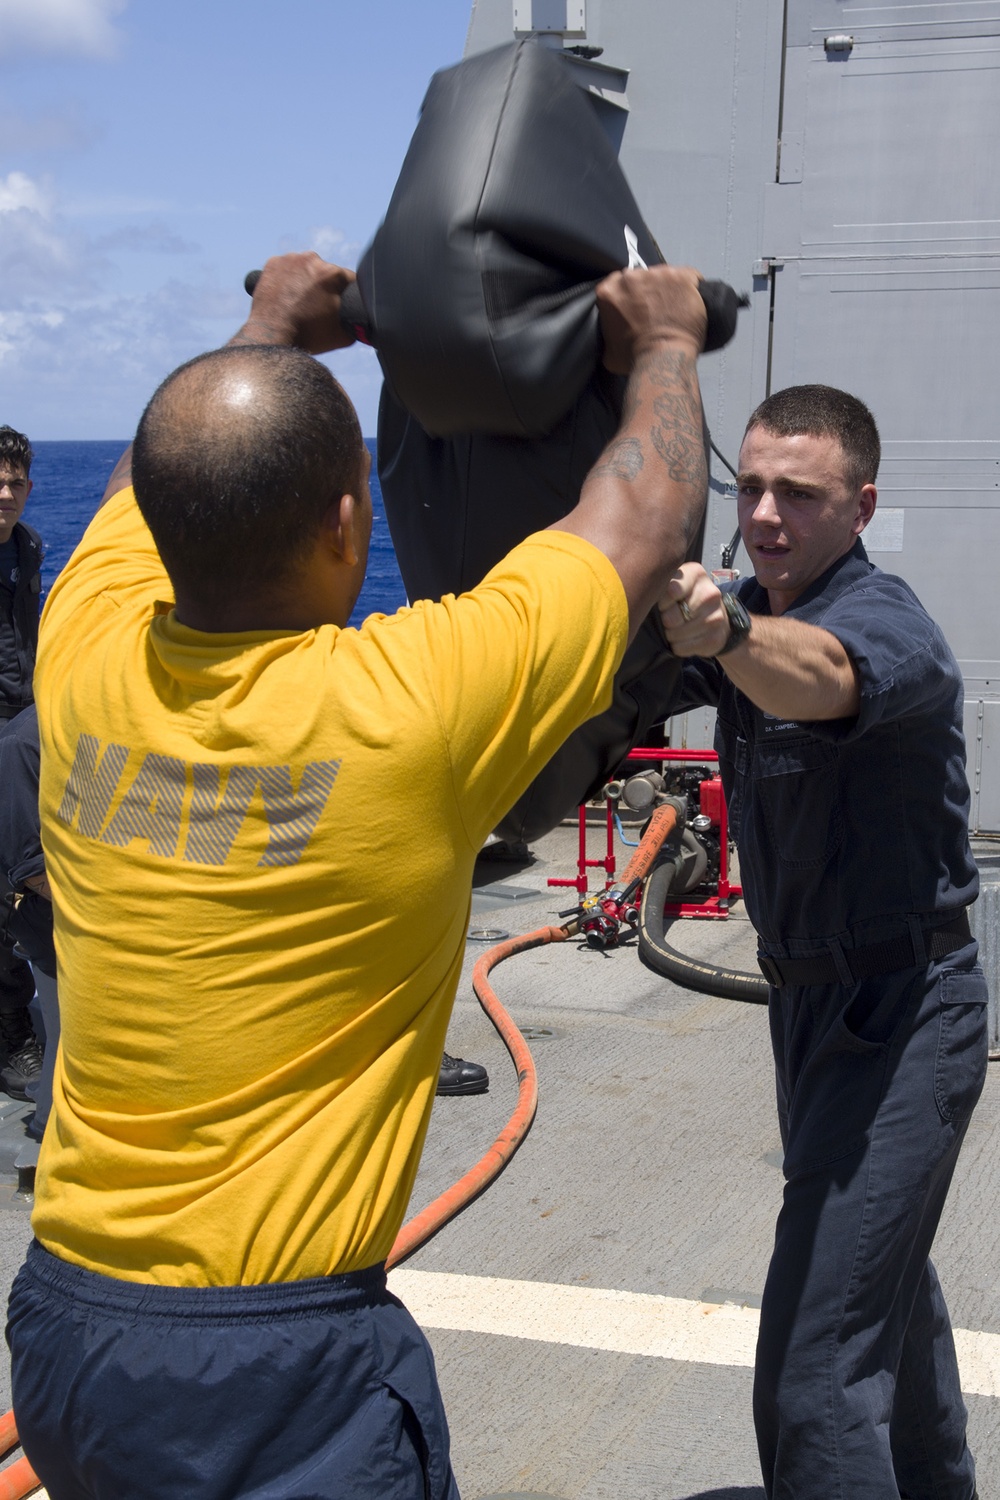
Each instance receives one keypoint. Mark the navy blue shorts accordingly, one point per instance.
(312, 1390)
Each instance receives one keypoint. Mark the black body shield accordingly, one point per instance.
(479, 293)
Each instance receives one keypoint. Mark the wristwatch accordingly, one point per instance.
(739, 622)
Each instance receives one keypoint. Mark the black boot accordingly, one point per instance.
(24, 1053)
(460, 1077)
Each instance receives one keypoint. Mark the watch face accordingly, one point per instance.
(739, 622)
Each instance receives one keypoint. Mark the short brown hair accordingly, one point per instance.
(822, 410)
(15, 450)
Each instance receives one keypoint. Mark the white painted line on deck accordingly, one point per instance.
(704, 1333)
(978, 1362)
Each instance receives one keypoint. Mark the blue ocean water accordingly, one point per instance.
(69, 480)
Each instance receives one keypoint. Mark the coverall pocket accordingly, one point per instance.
(836, 1098)
(800, 792)
(962, 1050)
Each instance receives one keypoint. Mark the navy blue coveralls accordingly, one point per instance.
(30, 921)
(19, 609)
(856, 870)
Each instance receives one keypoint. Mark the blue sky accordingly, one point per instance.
(152, 151)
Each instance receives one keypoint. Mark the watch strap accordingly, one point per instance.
(739, 622)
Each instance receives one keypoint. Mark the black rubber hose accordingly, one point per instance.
(657, 954)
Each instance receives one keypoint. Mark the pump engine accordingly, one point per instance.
(694, 848)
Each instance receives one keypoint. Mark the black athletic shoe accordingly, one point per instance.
(460, 1077)
(23, 1066)
(503, 851)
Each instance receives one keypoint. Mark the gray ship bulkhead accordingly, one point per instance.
(836, 161)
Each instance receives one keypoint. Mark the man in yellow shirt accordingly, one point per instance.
(255, 987)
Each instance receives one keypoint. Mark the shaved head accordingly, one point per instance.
(238, 457)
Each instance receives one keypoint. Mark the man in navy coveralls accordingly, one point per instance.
(20, 591)
(842, 755)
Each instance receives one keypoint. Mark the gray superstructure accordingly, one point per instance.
(837, 162)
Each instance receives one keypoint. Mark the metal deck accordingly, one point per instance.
(652, 1169)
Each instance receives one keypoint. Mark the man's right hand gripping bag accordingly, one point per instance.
(478, 293)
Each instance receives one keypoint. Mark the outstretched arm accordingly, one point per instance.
(296, 302)
(788, 668)
(642, 503)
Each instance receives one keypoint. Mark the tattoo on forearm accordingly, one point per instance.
(685, 459)
(677, 437)
(622, 460)
(676, 434)
(668, 367)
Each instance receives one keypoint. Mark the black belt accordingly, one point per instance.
(866, 962)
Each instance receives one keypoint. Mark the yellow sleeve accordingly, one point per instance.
(515, 665)
(116, 560)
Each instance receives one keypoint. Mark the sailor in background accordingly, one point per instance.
(843, 759)
(23, 865)
(20, 592)
(254, 986)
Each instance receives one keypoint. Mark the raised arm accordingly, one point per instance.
(296, 302)
(788, 668)
(642, 503)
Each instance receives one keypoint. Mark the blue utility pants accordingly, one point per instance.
(313, 1390)
(857, 1393)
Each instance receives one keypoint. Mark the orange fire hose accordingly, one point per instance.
(659, 828)
(20, 1479)
(8, 1433)
(451, 1202)
(458, 1197)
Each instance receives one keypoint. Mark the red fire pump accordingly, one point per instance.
(690, 876)
(698, 849)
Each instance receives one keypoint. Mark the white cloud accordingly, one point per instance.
(18, 191)
(333, 245)
(17, 328)
(85, 368)
(37, 259)
(59, 26)
(62, 317)
(79, 355)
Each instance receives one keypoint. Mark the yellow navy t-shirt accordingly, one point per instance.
(260, 847)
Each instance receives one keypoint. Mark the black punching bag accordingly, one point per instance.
(478, 291)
